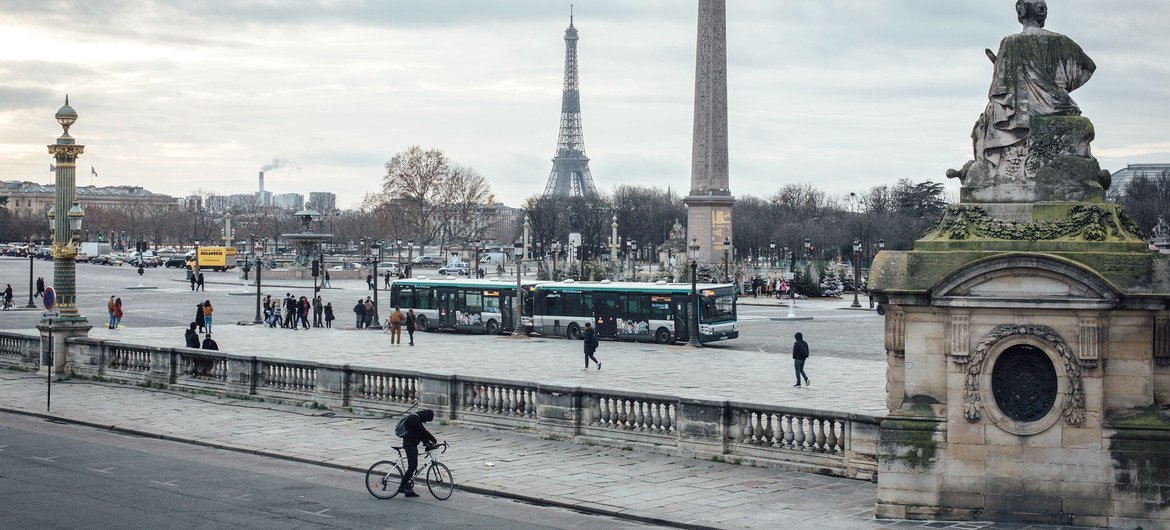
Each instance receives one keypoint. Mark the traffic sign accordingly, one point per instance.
(50, 314)
(49, 298)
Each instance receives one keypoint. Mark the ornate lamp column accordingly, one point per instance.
(66, 224)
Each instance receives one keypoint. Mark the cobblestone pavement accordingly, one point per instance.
(649, 487)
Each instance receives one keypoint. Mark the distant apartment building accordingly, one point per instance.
(227, 203)
(288, 201)
(30, 199)
(322, 201)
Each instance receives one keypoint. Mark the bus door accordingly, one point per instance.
(445, 303)
(682, 317)
(506, 312)
(605, 312)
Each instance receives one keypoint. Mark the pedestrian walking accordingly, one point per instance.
(208, 312)
(209, 344)
(369, 281)
(328, 284)
(387, 282)
(199, 316)
(318, 308)
(7, 296)
(290, 310)
(110, 309)
(199, 282)
(590, 337)
(396, 321)
(411, 322)
(277, 317)
(359, 312)
(191, 336)
(303, 312)
(370, 313)
(117, 313)
(799, 354)
(329, 315)
(191, 278)
(40, 287)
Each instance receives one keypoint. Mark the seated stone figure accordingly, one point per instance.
(1031, 143)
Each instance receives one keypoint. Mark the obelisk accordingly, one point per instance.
(710, 201)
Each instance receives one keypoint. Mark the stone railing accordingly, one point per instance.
(763, 435)
(19, 350)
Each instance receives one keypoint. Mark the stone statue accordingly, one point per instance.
(1031, 142)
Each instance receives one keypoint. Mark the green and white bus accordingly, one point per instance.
(484, 306)
(658, 312)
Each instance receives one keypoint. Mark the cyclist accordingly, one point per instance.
(415, 433)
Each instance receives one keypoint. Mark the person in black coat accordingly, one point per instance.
(192, 337)
(199, 316)
(209, 344)
(590, 337)
(359, 311)
(416, 432)
(799, 354)
(329, 315)
(40, 287)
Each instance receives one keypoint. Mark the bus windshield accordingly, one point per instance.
(718, 306)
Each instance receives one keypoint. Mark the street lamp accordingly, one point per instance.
(398, 247)
(726, 268)
(31, 256)
(517, 328)
(633, 260)
(694, 331)
(881, 245)
(259, 260)
(381, 248)
(410, 257)
(772, 252)
(856, 272)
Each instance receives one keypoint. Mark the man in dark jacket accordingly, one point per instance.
(209, 344)
(192, 337)
(40, 287)
(590, 338)
(799, 354)
(415, 433)
(359, 312)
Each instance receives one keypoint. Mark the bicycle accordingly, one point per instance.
(384, 477)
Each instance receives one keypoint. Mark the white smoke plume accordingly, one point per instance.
(276, 163)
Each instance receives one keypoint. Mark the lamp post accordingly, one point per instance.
(381, 248)
(517, 328)
(881, 245)
(633, 260)
(613, 242)
(527, 237)
(410, 258)
(398, 247)
(772, 253)
(31, 256)
(694, 327)
(856, 272)
(726, 268)
(259, 261)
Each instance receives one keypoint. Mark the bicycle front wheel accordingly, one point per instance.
(440, 481)
(383, 479)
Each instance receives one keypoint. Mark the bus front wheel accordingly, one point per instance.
(574, 332)
(662, 336)
(493, 327)
(421, 322)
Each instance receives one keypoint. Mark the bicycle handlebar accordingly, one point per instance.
(436, 446)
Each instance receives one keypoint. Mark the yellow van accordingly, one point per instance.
(215, 258)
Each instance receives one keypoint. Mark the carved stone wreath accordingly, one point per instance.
(1084, 222)
(1073, 411)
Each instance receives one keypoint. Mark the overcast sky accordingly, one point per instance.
(844, 94)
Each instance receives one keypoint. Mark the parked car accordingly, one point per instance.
(177, 261)
(454, 269)
(426, 260)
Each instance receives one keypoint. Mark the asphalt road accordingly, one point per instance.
(834, 331)
(55, 475)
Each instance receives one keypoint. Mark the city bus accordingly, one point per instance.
(460, 304)
(658, 312)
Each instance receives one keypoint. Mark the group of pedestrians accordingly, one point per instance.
(363, 313)
(6, 298)
(293, 313)
(398, 320)
(196, 279)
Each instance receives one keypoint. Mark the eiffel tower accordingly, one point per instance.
(570, 175)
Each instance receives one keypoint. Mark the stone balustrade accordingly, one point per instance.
(763, 435)
(19, 350)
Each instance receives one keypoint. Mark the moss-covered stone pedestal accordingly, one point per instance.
(1028, 351)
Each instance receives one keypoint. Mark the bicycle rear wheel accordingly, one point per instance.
(440, 481)
(383, 479)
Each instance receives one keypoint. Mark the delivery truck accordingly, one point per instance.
(214, 258)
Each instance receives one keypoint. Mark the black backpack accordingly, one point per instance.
(400, 429)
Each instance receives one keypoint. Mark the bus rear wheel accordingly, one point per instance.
(662, 336)
(421, 322)
(493, 327)
(573, 332)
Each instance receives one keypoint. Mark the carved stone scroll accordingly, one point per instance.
(1073, 410)
(960, 343)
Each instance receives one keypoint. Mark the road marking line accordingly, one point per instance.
(2, 448)
(320, 513)
(46, 458)
(106, 470)
(167, 483)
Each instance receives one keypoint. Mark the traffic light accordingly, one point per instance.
(316, 268)
(100, 237)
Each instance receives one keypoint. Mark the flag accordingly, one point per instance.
(92, 171)
(52, 168)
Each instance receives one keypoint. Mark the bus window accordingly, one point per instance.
(405, 298)
(473, 302)
(491, 304)
(637, 307)
(552, 305)
(718, 308)
(424, 299)
(660, 307)
(572, 304)
(586, 305)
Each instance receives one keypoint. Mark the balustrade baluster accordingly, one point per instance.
(831, 436)
(530, 404)
(758, 429)
(667, 420)
(655, 417)
(820, 444)
(639, 417)
(606, 411)
(798, 428)
(769, 434)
